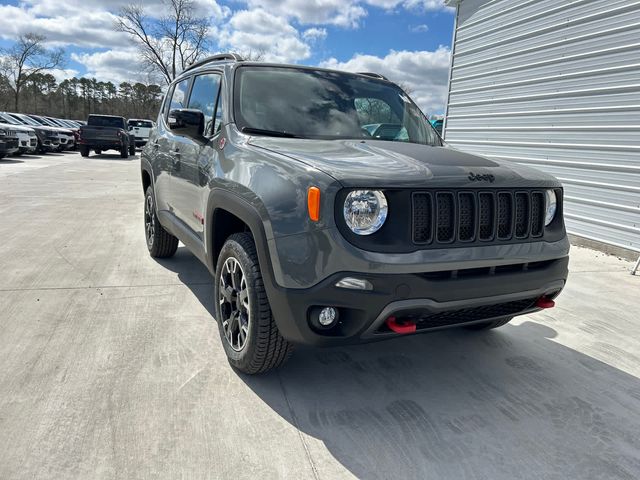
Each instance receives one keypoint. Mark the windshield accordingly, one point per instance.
(9, 119)
(43, 121)
(140, 123)
(306, 103)
(26, 120)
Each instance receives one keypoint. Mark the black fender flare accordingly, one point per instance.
(223, 199)
(145, 166)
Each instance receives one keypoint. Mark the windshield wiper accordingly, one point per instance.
(271, 133)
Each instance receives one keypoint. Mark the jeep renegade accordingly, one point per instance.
(329, 211)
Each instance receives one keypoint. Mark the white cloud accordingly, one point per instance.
(115, 65)
(259, 31)
(90, 29)
(63, 73)
(423, 72)
(344, 13)
(419, 28)
(315, 34)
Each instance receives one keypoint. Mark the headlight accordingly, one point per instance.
(365, 211)
(3, 132)
(551, 205)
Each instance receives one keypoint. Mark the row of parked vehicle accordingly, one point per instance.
(23, 133)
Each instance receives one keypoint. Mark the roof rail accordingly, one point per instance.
(221, 57)
(373, 75)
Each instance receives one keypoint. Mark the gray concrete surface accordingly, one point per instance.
(111, 366)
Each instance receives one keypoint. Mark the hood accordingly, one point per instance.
(64, 131)
(374, 163)
(16, 128)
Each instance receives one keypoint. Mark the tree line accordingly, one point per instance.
(76, 98)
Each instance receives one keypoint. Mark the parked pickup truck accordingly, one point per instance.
(106, 132)
(140, 129)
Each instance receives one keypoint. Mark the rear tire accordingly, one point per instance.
(249, 334)
(490, 324)
(160, 243)
(98, 152)
(84, 151)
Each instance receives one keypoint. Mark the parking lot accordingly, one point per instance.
(111, 365)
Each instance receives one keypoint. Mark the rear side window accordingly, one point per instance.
(203, 97)
(140, 123)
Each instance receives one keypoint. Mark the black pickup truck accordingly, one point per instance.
(106, 132)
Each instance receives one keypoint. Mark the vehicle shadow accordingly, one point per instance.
(9, 161)
(111, 157)
(193, 274)
(510, 403)
(503, 404)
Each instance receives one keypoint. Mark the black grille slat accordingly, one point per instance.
(505, 215)
(466, 216)
(446, 215)
(522, 215)
(487, 215)
(537, 214)
(422, 218)
(475, 216)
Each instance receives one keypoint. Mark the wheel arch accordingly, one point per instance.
(146, 175)
(227, 214)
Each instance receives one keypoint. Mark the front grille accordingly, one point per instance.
(464, 315)
(425, 320)
(445, 217)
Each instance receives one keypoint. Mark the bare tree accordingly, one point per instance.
(170, 44)
(27, 58)
(404, 86)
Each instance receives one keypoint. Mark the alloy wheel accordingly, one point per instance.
(149, 221)
(233, 296)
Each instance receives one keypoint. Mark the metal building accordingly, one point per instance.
(555, 84)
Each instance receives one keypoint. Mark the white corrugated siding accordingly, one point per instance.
(556, 85)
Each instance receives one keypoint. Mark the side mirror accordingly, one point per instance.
(186, 121)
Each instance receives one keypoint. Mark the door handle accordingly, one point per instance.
(175, 159)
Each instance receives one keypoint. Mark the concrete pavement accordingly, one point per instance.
(111, 366)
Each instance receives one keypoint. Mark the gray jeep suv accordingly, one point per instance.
(330, 212)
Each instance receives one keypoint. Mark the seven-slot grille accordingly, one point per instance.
(444, 217)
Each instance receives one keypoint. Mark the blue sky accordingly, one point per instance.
(406, 40)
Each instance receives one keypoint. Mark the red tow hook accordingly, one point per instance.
(544, 302)
(407, 326)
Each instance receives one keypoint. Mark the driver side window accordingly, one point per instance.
(204, 95)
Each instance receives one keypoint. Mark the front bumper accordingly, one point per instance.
(9, 146)
(433, 300)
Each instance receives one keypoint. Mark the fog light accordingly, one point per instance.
(327, 316)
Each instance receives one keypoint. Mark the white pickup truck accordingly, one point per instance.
(140, 129)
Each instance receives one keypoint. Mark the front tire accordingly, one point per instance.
(84, 151)
(132, 150)
(124, 152)
(249, 334)
(490, 324)
(160, 243)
